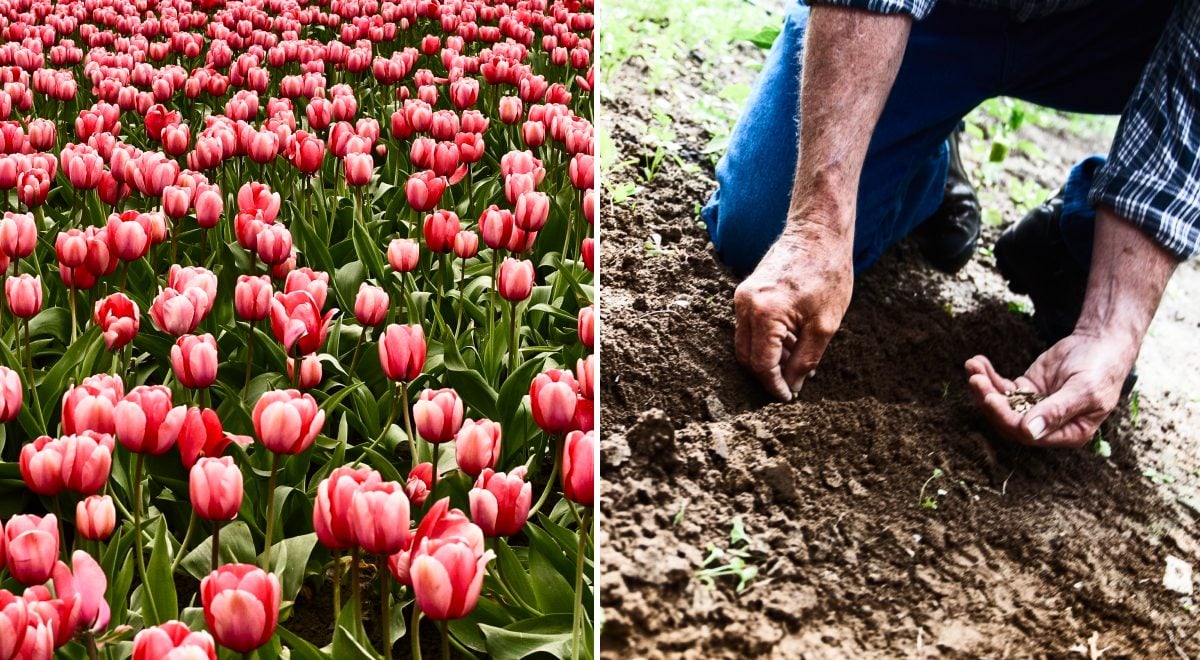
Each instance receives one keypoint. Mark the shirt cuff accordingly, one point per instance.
(1153, 205)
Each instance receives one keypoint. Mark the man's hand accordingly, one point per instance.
(1081, 376)
(789, 309)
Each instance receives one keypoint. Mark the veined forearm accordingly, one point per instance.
(1128, 275)
(850, 62)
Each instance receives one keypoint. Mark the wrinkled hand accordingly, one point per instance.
(1081, 378)
(789, 309)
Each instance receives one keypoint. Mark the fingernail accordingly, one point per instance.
(797, 387)
(1037, 427)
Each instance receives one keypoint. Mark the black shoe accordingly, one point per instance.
(948, 238)
(1033, 257)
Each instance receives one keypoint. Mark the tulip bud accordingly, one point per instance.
(447, 577)
(252, 297)
(215, 488)
(440, 229)
(209, 207)
(241, 606)
(466, 244)
(585, 326)
(359, 168)
(402, 352)
(510, 109)
(180, 312)
(531, 211)
(403, 255)
(24, 294)
(379, 517)
(18, 234)
(500, 502)
(552, 396)
(194, 360)
(95, 517)
(32, 547)
(419, 483)
(477, 446)
(71, 248)
(141, 420)
(164, 640)
(515, 279)
(12, 394)
(438, 415)
(371, 305)
(287, 421)
(310, 371)
(578, 467)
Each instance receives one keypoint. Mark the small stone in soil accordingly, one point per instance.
(1022, 400)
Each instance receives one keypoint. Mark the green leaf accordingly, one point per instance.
(554, 593)
(515, 387)
(545, 634)
(290, 557)
(469, 384)
(301, 649)
(237, 546)
(159, 594)
(346, 645)
(513, 573)
(368, 251)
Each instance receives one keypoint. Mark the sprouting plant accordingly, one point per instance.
(732, 560)
(650, 170)
(678, 517)
(931, 502)
(1135, 406)
(622, 192)
(1018, 307)
(1158, 477)
(1100, 446)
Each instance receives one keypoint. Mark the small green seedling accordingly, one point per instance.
(678, 518)
(931, 502)
(1135, 406)
(1018, 307)
(622, 192)
(733, 560)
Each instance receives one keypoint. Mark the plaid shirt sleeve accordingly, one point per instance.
(918, 9)
(1152, 176)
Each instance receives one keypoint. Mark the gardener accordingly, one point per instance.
(885, 83)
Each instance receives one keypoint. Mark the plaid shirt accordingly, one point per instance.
(1152, 176)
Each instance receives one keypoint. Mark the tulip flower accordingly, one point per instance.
(438, 415)
(586, 326)
(18, 234)
(273, 244)
(241, 606)
(24, 294)
(194, 360)
(423, 190)
(379, 517)
(209, 207)
(39, 642)
(32, 547)
(85, 582)
(287, 421)
(41, 466)
(532, 210)
(578, 467)
(582, 171)
(252, 297)
(95, 518)
(310, 371)
(552, 396)
(500, 502)
(331, 510)
(403, 255)
(306, 279)
(119, 318)
(359, 168)
(12, 394)
(516, 279)
(130, 234)
(419, 483)
(141, 421)
(181, 279)
(447, 577)
(14, 620)
(180, 312)
(439, 522)
(297, 322)
(477, 446)
(89, 406)
(402, 352)
(215, 488)
(173, 640)
(585, 373)
(255, 196)
(440, 230)
(200, 433)
(371, 305)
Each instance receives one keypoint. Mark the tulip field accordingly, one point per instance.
(297, 327)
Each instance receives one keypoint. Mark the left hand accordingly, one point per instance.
(1080, 378)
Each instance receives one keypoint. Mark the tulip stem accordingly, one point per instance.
(71, 300)
(414, 631)
(558, 445)
(461, 294)
(412, 440)
(296, 368)
(446, 640)
(29, 355)
(92, 651)
(187, 538)
(337, 586)
(356, 589)
(391, 418)
(270, 511)
(216, 544)
(577, 618)
(513, 338)
(138, 543)
(385, 595)
(357, 347)
(433, 482)
(57, 506)
(249, 360)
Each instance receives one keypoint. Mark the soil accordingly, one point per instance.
(883, 516)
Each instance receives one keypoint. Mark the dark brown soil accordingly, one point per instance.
(1027, 553)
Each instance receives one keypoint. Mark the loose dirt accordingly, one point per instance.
(883, 516)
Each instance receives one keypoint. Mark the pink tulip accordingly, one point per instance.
(532, 210)
(371, 305)
(500, 502)
(18, 234)
(402, 352)
(331, 509)
(403, 254)
(200, 433)
(39, 642)
(95, 518)
(194, 360)
(24, 293)
(273, 244)
(586, 326)
(181, 279)
(439, 522)
(297, 322)
(419, 483)
(515, 279)
(582, 171)
(14, 620)
(215, 488)
(173, 640)
(423, 190)
(142, 422)
(180, 312)
(359, 168)
(585, 373)
(310, 371)
(553, 395)
(255, 196)
(579, 467)
(84, 582)
(589, 205)
(252, 297)
(447, 577)
(118, 318)
(32, 545)
(209, 207)
(477, 446)
(241, 606)
(287, 421)
(129, 234)
(41, 466)
(510, 109)
(307, 279)
(176, 200)
(496, 227)
(466, 244)
(379, 517)
(12, 394)
(89, 406)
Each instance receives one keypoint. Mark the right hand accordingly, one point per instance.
(791, 306)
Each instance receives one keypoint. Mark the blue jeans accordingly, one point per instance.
(1087, 60)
